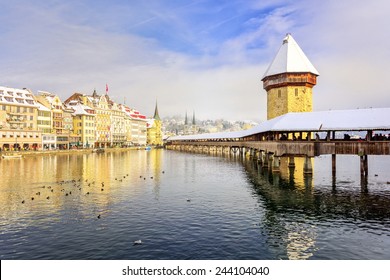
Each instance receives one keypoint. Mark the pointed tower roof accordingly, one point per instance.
(290, 59)
(94, 94)
(156, 116)
(193, 118)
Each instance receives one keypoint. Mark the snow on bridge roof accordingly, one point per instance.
(338, 120)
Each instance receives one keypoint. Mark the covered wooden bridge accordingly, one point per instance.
(360, 132)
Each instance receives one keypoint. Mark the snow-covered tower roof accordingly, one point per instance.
(290, 59)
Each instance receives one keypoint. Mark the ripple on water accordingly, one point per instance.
(233, 212)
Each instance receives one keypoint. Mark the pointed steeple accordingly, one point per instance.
(94, 94)
(186, 119)
(290, 59)
(193, 118)
(156, 116)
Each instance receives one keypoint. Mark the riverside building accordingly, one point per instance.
(60, 129)
(44, 122)
(18, 120)
(84, 123)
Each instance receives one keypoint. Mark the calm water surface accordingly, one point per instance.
(236, 210)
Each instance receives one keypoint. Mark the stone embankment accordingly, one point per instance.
(72, 151)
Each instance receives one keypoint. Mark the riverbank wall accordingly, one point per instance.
(71, 151)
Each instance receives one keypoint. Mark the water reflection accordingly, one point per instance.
(154, 161)
(282, 215)
(48, 185)
(297, 204)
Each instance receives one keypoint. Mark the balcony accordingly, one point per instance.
(15, 114)
(285, 79)
(15, 120)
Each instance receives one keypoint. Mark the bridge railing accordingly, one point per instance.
(302, 148)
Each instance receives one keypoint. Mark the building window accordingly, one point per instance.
(279, 93)
(296, 92)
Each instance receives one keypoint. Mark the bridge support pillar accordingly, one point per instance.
(307, 166)
(333, 165)
(364, 166)
(256, 156)
(266, 159)
(276, 164)
(260, 158)
(251, 153)
(270, 161)
(291, 162)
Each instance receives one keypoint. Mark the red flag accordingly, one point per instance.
(106, 88)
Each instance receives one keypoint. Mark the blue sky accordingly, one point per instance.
(207, 56)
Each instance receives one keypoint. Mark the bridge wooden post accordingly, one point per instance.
(307, 166)
(255, 154)
(364, 166)
(333, 165)
(266, 159)
(270, 161)
(276, 164)
(291, 162)
(260, 158)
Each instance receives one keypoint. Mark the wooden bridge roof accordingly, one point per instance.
(334, 120)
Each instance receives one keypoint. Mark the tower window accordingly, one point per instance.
(279, 93)
(296, 92)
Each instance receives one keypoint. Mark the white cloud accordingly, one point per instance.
(46, 50)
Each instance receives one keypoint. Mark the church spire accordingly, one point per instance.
(186, 119)
(156, 116)
(94, 94)
(193, 118)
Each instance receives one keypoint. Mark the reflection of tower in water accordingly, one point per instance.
(300, 240)
(287, 235)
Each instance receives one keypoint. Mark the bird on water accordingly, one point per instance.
(137, 242)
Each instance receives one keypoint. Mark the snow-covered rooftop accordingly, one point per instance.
(42, 107)
(19, 97)
(80, 109)
(290, 59)
(338, 120)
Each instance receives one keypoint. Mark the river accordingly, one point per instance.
(190, 206)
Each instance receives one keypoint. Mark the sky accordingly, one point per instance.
(202, 56)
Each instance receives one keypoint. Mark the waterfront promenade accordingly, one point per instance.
(64, 152)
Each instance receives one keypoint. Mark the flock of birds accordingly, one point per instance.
(63, 186)
(70, 187)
